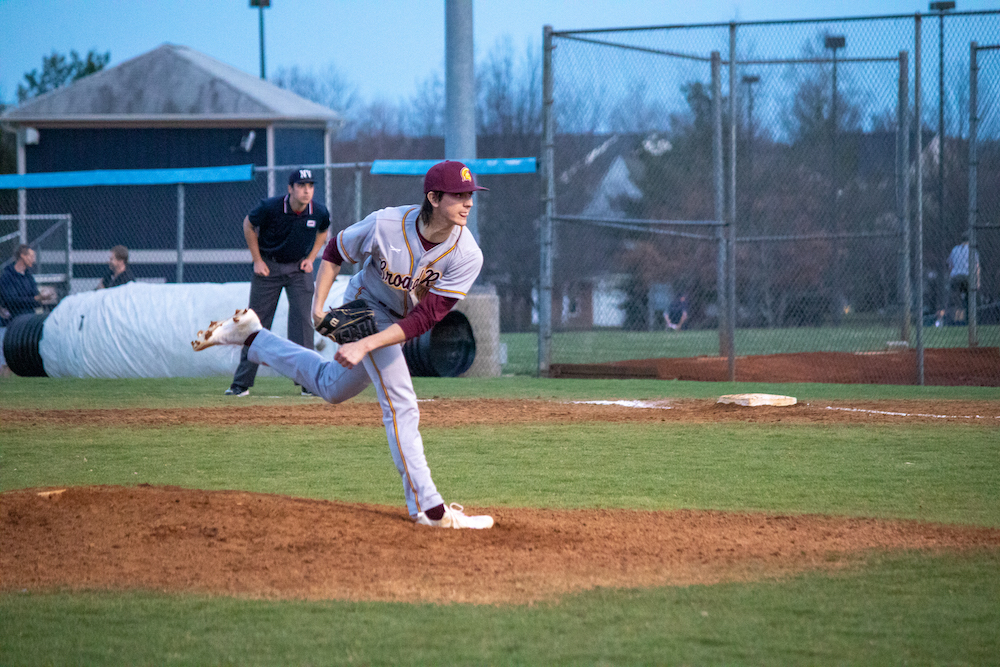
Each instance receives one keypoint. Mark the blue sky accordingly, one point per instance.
(385, 48)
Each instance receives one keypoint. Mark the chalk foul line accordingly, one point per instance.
(909, 414)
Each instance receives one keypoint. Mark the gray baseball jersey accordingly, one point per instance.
(398, 272)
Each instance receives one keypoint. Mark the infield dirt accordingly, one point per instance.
(258, 545)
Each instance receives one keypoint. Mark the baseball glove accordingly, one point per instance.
(349, 323)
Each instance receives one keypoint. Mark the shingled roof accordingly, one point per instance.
(171, 85)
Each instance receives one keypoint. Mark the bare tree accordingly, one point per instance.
(424, 114)
(811, 109)
(637, 111)
(510, 92)
(380, 118)
(328, 87)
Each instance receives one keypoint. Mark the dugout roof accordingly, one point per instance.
(170, 86)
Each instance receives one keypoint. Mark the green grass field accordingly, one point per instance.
(890, 608)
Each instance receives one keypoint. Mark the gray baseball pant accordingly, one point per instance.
(264, 294)
(386, 369)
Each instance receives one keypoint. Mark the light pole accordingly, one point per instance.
(260, 5)
(940, 8)
(834, 42)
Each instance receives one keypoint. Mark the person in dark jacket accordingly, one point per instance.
(18, 290)
(118, 271)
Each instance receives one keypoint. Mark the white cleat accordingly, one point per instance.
(454, 517)
(232, 331)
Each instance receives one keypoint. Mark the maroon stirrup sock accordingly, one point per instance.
(435, 513)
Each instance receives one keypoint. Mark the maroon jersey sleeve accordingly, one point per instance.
(431, 310)
(330, 252)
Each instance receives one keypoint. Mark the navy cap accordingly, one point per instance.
(301, 176)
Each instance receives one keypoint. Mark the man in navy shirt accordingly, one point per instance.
(284, 235)
(18, 289)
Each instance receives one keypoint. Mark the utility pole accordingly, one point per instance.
(460, 90)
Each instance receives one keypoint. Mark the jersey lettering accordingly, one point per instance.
(426, 279)
(429, 277)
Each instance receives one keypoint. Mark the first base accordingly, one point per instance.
(757, 399)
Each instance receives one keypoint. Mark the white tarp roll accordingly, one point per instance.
(145, 330)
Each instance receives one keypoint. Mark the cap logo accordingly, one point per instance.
(466, 175)
(305, 174)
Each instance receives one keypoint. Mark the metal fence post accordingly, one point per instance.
(903, 193)
(180, 233)
(327, 169)
(718, 171)
(973, 204)
(731, 252)
(272, 187)
(357, 193)
(69, 253)
(941, 129)
(22, 193)
(548, 201)
(919, 251)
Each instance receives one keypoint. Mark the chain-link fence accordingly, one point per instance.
(820, 242)
(193, 232)
(175, 232)
(982, 297)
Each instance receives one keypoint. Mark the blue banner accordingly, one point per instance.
(483, 167)
(79, 179)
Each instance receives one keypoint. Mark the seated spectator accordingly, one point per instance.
(119, 273)
(676, 315)
(18, 289)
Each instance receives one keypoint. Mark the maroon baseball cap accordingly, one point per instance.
(449, 176)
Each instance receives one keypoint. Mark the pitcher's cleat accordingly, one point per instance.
(454, 517)
(232, 331)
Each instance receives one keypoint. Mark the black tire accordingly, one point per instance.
(20, 345)
(447, 350)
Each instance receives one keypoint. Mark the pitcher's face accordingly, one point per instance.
(454, 207)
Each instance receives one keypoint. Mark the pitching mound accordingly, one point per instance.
(256, 545)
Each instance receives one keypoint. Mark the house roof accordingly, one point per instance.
(171, 85)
